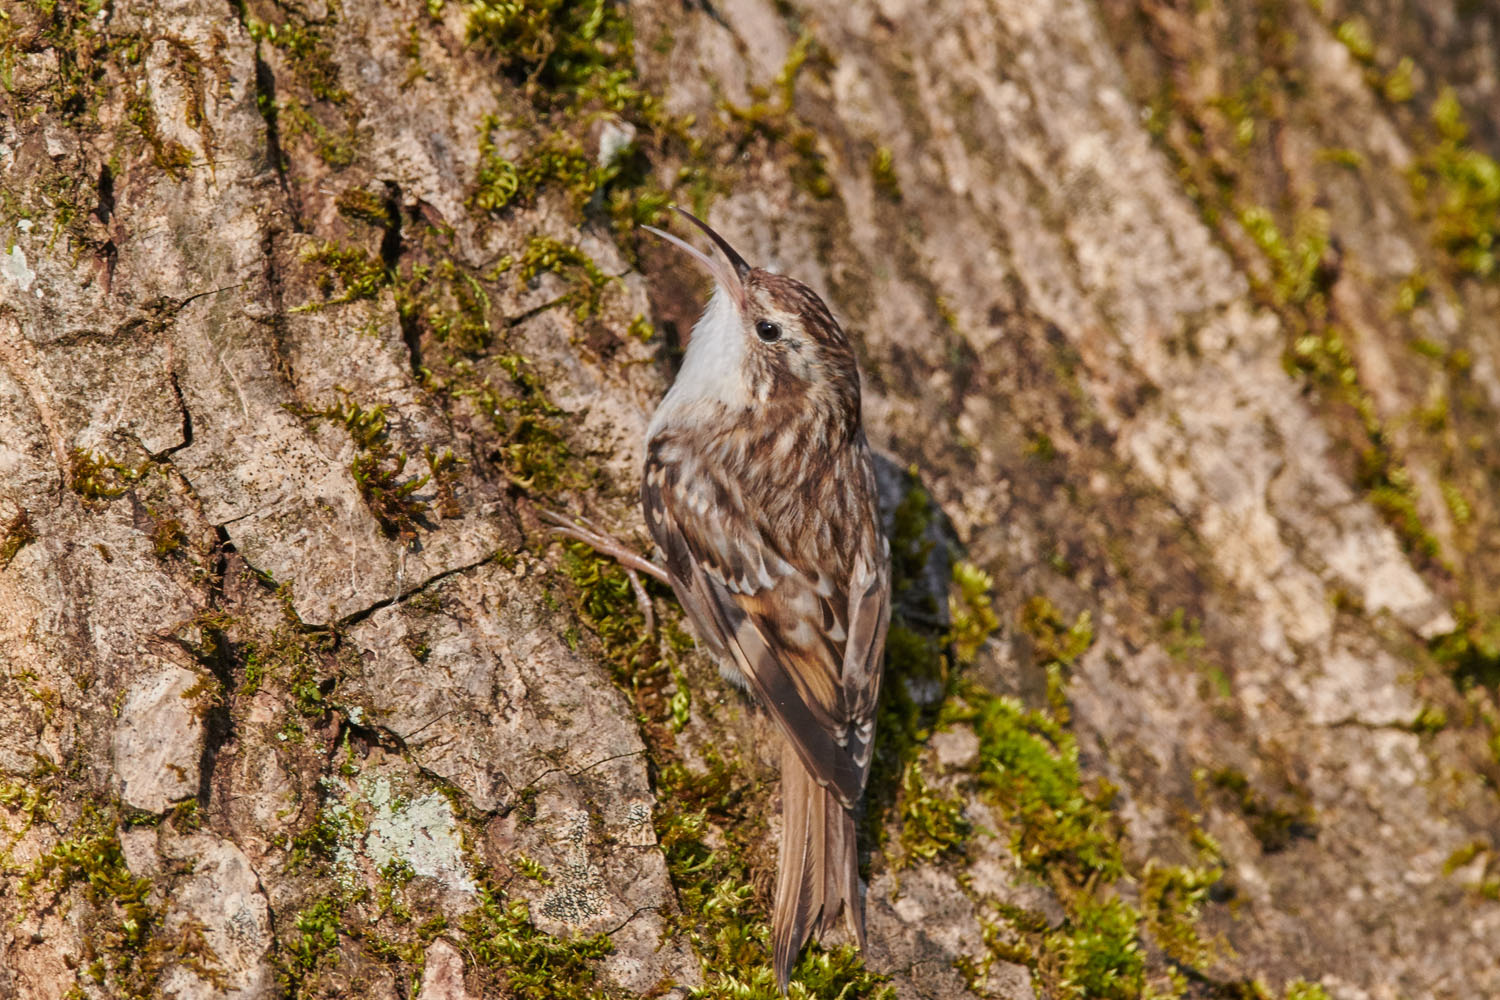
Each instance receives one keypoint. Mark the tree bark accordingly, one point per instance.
(1176, 325)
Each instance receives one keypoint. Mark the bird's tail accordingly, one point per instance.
(819, 876)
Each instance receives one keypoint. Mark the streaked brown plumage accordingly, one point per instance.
(760, 492)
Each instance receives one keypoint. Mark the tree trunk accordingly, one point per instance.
(1177, 330)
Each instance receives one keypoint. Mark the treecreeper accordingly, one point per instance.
(759, 490)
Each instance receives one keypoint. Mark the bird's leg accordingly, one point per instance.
(583, 530)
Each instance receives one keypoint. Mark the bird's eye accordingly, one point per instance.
(768, 331)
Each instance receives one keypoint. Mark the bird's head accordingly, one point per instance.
(766, 348)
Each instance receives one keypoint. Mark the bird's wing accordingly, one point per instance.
(806, 633)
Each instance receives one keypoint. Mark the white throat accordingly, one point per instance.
(712, 373)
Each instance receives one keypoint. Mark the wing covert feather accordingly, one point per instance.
(806, 638)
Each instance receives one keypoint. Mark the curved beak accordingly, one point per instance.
(729, 271)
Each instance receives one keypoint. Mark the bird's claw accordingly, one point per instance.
(583, 530)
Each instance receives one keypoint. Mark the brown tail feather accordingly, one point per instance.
(819, 876)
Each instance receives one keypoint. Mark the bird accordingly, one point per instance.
(759, 491)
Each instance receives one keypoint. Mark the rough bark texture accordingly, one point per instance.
(1178, 330)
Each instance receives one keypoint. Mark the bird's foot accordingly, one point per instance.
(581, 529)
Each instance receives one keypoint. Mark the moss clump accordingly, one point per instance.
(1028, 766)
(1471, 652)
(1460, 186)
(17, 534)
(771, 116)
(1391, 492)
(447, 301)
(1172, 898)
(1055, 640)
(721, 914)
(308, 55)
(971, 609)
(917, 673)
(377, 468)
(33, 800)
(293, 120)
(94, 476)
(307, 660)
(167, 536)
(171, 156)
(315, 945)
(352, 272)
(124, 948)
(1099, 953)
(390, 499)
(558, 160)
(566, 260)
(1274, 824)
(883, 173)
(532, 448)
(510, 953)
(643, 667)
(554, 46)
(442, 470)
(365, 206)
(932, 822)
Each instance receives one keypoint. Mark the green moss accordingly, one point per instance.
(932, 822)
(17, 534)
(554, 45)
(123, 947)
(315, 946)
(586, 280)
(351, 272)
(532, 446)
(293, 120)
(1471, 652)
(606, 603)
(365, 206)
(1458, 505)
(1354, 33)
(377, 468)
(167, 536)
(1172, 898)
(530, 868)
(95, 476)
(444, 299)
(883, 173)
(497, 181)
(301, 658)
(70, 31)
(1055, 640)
(171, 156)
(1296, 264)
(558, 160)
(971, 609)
(31, 799)
(1391, 492)
(770, 115)
(510, 953)
(640, 328)
(1099, 953)
(1028, 766)
(918, 676)
(1181, 636)
(1460, 187)
(1274, 823)
(1350, 159)
(1399, 85)
(442, 470)
(308, 55)
(721, 915)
